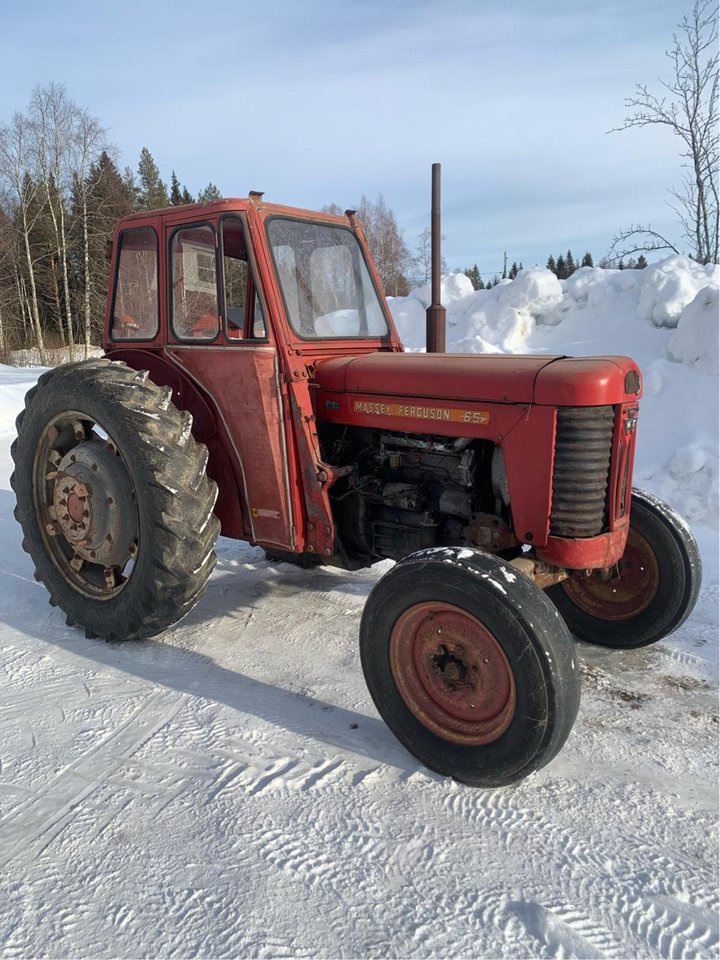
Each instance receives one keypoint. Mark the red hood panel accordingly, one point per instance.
(448, 376)
(498, 378)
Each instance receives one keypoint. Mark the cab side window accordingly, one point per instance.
(195, 313)
(243, 313)
(135, 299)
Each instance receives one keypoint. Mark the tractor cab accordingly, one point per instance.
(232, 304)
(241, 270)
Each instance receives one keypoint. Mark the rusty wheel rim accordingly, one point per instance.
(629, 593)
(86, 505)
(452, 673)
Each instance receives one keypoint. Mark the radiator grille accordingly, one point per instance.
(583, 447)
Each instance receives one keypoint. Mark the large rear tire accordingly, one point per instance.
(470, 666)
(113, 499)
(657, 583)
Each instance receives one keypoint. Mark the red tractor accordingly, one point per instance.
(254, 385)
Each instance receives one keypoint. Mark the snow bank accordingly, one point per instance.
(15, 384)
(53, 357)
(695, 342)
(665, 317)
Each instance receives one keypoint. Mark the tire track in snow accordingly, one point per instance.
(299, 770)
(661, 921)
(564, 932)
(35, 822)
(672, 928)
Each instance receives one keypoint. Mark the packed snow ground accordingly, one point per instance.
(229, 790)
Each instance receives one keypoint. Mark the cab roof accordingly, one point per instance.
(194, 211)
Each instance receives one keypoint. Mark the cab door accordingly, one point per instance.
(218, 335)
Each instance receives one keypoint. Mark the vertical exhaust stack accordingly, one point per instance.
(435, 314)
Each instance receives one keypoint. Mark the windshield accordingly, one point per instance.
(325, 280)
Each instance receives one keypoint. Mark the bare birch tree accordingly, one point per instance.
(89, 140)
(688, 107)
(15, 147)
(385, 239)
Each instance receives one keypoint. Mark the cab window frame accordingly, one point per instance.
(118, 257)
(172, 233)
(253, 285)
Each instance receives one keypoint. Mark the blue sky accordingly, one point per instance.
(317, 102)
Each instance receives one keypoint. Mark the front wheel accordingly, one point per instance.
(469, 665)
(654, 588)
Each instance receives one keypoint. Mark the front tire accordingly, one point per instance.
(656, 588)
(113, 499)
(469, 665)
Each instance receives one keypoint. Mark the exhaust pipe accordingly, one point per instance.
(435, 314)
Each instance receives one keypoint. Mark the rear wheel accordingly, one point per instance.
(113, 499)
(653, 591)
(470, 666)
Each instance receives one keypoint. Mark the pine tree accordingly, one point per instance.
(587, 260)
(152, 192)
(571, 268)
(621, 265)
(473, 274)
(642, 263)
(513, 271)
(187, 197)
(551, 265)
(209, 194)
(130, 181)
(175, 193)
(561, 271)
(98, 203)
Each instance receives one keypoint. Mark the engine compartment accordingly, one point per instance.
(398, 493)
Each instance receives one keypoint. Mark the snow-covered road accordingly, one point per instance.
(229, 790)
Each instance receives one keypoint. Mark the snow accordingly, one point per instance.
(695, 341)
(229, 790)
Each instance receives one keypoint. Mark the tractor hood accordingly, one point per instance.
(440, 376)
(498, 378)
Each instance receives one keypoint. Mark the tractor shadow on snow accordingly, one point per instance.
(171, 661)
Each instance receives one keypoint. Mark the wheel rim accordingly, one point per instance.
(626, 595)
(452, 673)
(86, 505)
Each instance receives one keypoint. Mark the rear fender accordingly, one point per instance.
(206, 429)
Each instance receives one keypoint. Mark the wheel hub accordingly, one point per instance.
(452, 673)
(94, 504)
(451, 668)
